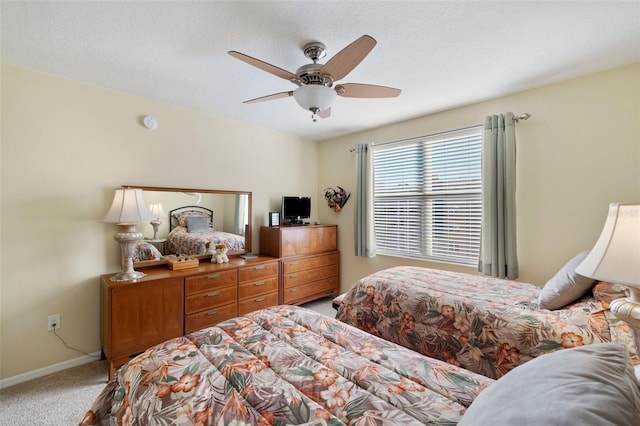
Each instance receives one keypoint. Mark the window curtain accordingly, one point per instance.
(498, 254)
(240, 218)
(365, 237)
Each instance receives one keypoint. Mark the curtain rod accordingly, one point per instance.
(516, 118)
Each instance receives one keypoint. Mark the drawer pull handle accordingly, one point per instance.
(213, 277)
(214, 312)
(259, 268)
(259, 283)
(260, 299)
(213, 294)
(293, 263)
(293, 290)
(293, 275)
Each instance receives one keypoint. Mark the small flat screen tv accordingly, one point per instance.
(294, 209)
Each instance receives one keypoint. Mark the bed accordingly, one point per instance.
(192, 232)
(486, 325)
(289, 365)
(284, 365)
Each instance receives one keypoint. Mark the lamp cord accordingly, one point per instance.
(72, 348)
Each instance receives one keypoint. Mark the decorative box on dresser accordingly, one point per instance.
(166, 304)
(309, 260)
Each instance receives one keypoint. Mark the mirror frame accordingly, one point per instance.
(248, 234)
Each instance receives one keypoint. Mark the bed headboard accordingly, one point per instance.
(188, 211)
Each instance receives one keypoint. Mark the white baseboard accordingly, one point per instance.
(40, 372)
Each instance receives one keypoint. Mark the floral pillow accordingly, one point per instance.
(146, 251)
(605, 292)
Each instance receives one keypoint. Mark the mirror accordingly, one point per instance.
(226, 214)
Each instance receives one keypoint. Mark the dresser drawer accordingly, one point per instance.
(256, 272)
(302, 263)
(256, 288)
(210, 281)
(210, 317)
(301, 240)
(257, 302)
(297, 278)
(210, 299)
(313, 290)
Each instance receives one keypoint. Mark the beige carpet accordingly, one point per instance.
(57, 399)
(61, 399)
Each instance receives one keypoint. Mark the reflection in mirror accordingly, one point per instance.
(194, 220)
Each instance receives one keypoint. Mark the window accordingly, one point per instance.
(427, 197)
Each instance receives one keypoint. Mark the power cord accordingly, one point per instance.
(69, 347)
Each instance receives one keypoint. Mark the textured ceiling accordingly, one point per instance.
(442, 54)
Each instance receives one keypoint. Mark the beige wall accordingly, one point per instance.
(578, 152)
(65, 147)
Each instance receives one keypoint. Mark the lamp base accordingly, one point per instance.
(628, 308)
(127, 238)
(128, 276)
(155, 224)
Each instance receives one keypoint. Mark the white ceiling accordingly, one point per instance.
(442, 54)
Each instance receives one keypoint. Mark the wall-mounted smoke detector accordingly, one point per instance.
(150, 122)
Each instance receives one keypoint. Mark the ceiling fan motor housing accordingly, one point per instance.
(310, 74)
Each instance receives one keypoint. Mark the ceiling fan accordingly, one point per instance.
(315, 81)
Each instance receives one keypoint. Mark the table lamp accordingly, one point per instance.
(157, 211)
(128, 208)
(616, 258)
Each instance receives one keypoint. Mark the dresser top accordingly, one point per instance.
(204, 267)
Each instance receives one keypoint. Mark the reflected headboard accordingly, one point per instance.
(176, 215)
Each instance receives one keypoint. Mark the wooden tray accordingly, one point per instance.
(181, 262)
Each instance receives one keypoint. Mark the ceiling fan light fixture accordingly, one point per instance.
(315, 81)
(314, 96)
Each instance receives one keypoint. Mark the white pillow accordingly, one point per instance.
(586, 385)
(566, 286)
(198, 224)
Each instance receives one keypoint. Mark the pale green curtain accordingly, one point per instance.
(240, 217)
(365, 237)
(498, 252)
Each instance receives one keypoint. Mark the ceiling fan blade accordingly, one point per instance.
(270, 97)
(325, 113)
(348, 58)
(357, 90)
(272, 69)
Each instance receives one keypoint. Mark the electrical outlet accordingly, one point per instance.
(53, 322)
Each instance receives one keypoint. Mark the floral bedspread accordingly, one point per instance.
(284, 365)
(486, 325)
(179, 241)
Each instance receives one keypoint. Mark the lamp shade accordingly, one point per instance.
(128, 207)
(156, 210)
(314, 96)
(616, 255)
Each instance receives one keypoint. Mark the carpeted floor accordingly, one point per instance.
(57, 399)
(61, 399)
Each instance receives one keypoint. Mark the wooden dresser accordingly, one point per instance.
(166, 304)
(309, 260)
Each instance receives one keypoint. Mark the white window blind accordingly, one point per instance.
(427, 197)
